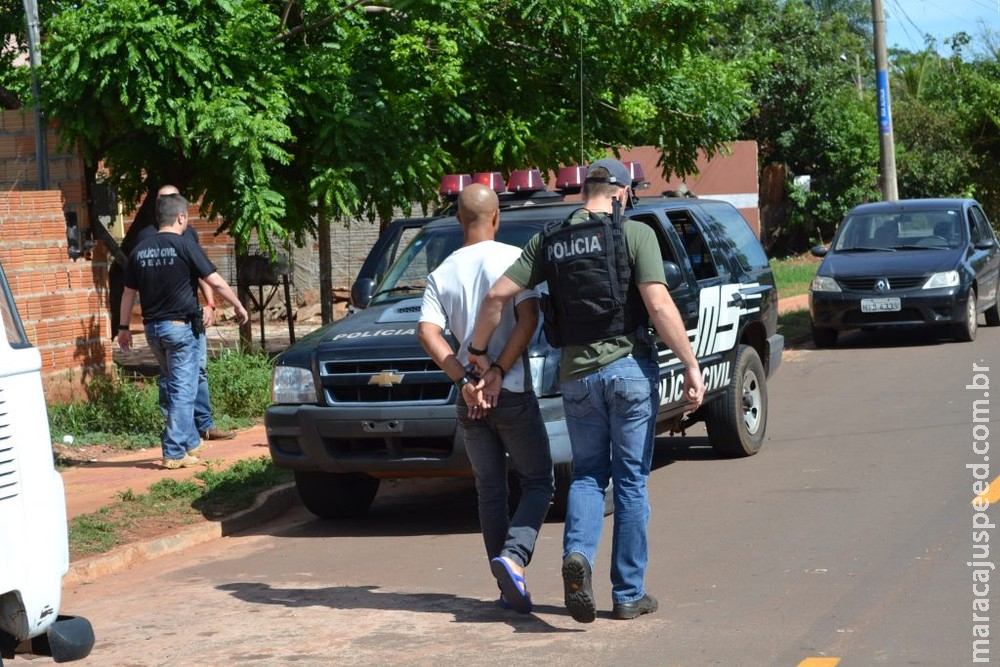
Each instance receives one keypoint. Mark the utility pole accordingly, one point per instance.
(35, 59)
(887, 149)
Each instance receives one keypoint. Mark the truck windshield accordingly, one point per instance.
(408, 275)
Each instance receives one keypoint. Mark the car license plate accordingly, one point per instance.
(880, 305)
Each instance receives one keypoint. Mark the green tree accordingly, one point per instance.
(269, 111)
(805, 82)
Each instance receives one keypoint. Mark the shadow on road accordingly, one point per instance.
(465, 610)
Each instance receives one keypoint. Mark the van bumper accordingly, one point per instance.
(67, 638)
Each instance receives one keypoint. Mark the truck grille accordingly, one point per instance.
(385, 381)
(9, 478)
(867, 284)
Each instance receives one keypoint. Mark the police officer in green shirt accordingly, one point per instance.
(606, 287)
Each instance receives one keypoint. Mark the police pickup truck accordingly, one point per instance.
(359, 400)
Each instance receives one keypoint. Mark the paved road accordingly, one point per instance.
(846, 537)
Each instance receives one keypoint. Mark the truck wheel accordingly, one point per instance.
(736, 422)
(965, 331)
(336, 495)
(824, 337)
(563, 474)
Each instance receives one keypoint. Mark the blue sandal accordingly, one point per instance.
(515, 593)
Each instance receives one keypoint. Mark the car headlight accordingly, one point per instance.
(824, 284)
(942, 279)
(545, 374)
(292, 385)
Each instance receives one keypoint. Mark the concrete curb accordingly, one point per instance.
(269, 505)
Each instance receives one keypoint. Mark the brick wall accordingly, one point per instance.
(61, 301)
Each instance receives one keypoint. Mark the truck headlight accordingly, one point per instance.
(942, 279)
(290, 384)
(824, 284)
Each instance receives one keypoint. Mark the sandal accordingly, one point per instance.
(515, 592)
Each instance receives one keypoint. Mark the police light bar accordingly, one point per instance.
(570, 179)
(525, 180)
(638, 176)
(453, 184)
(491, 179)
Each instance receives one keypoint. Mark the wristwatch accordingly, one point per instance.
(466, 379)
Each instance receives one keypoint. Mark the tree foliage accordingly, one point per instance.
(268, 110)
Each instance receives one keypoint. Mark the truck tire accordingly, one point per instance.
(336, 495)
(965, 331)
(736, 422)
(563, 474)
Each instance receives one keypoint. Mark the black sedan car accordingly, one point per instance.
(916, 262)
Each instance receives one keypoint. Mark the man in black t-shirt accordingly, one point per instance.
(164, 270)
(204, 420)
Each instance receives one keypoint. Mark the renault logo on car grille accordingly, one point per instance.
(386, 378)
(882, 285)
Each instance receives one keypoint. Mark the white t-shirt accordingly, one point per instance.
(457, 288)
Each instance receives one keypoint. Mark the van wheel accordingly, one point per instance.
(993, 312)
(336, 495)
(563, 474)
(736, 422)
(965, 331)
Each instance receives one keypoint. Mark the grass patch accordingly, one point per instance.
(792, 276)
(169, 503)
(123, 411)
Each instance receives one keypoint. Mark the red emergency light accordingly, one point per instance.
(570, 179)
(525, 180)
(491, 179)
(635, 171)
(453, 184)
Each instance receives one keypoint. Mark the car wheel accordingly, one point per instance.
(336, 495)
(736, 422)
(966, 330)
(563, 474)
(993, 312)
(824, 337)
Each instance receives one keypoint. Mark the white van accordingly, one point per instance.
(34, 545)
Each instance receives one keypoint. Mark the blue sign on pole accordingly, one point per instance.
(884, 115)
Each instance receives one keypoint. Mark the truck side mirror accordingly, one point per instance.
(362, 292)
(673, 274)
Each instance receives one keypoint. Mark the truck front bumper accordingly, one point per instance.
(385, 441)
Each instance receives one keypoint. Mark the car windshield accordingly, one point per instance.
(408, 275)
(900, 230)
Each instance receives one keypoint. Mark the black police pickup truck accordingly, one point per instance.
(359, 400)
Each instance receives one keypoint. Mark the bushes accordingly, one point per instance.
(123, 411)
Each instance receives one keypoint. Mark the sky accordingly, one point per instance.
(906, 21)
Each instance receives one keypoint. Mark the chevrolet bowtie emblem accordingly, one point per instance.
(386, 379)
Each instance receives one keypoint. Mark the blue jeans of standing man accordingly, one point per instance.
(611, 417)
(203, 419)
(512, 431)
(176, 350)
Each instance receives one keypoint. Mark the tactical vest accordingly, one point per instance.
(591, 292)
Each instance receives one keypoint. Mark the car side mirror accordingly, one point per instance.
(673, 274)
(818, 251)
(362, 292)
(986, 244)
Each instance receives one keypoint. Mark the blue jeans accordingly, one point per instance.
(512, 431)
(203, 419)
(611, 417)
(176, 350)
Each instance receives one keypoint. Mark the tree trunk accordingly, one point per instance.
(325, 266)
